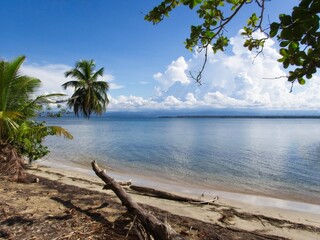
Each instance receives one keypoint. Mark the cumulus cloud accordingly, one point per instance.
(242, 79)
(52, 77)
(236, 79)
(175, 73)
(131, 103)
(239, 79)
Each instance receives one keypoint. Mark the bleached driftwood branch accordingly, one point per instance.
(153, 226)
(169, 196)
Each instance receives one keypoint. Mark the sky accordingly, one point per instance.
(147, 65)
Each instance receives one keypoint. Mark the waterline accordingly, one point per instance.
(267, 157)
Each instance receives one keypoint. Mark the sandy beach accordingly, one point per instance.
(238, 212)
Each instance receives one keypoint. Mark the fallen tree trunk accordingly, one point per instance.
(170, 196)
(153, 226)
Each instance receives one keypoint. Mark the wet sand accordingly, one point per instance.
(191, 189)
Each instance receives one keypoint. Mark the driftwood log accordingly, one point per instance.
(170, 196)
(157, 229)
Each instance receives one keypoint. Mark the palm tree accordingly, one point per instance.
(90, 95)
(15, 90)
(20, 135)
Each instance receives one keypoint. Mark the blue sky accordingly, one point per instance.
(146, 65)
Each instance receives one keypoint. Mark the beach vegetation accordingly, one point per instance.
(297, 32)
(21, 136)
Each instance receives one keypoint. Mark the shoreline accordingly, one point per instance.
(191, 190)
(252, 169)
(286, 221)
(76, 203)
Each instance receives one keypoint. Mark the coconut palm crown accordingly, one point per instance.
(90, 95)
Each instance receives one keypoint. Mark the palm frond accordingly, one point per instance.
(8, 75)
(90, 95)
(9, 123)
(73, 83)
(56, 130)
(22, 89)
(33, 130)
(97, 74)
(46, 98)
(86, 67)
(101, 86)
(76, 73)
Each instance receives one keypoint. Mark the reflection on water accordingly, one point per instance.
(274, 157)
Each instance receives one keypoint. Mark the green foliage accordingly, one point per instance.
(299, 39)
(30, 135)
(18, 108)
(90, 95)
(298, 33)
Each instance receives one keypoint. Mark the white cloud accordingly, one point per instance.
(144, 82)
(114, 86)
(131, 103)
(176, 72)
(52, 77)
(171, 101)
(190, 99)
(239, 79)
(243, 79)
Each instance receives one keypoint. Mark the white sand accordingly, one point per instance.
(294, 212)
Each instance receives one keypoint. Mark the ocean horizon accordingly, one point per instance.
(275, 157)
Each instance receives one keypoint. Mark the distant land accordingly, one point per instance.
(216, 113)
(245, 116)
(210, 113)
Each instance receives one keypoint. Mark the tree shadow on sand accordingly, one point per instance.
(120, 225)
(17, 220)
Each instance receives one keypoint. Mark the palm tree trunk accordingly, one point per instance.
(12, 164)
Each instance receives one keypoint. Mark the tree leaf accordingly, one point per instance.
(274, 27)
(301, 81)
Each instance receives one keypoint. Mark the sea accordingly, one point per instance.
(272, 157)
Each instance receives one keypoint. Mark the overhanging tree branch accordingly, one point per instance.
(297, 32)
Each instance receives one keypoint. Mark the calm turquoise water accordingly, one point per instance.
(274, 157)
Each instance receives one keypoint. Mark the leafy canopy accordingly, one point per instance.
(297, 33)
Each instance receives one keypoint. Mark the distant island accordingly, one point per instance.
(245, 116)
